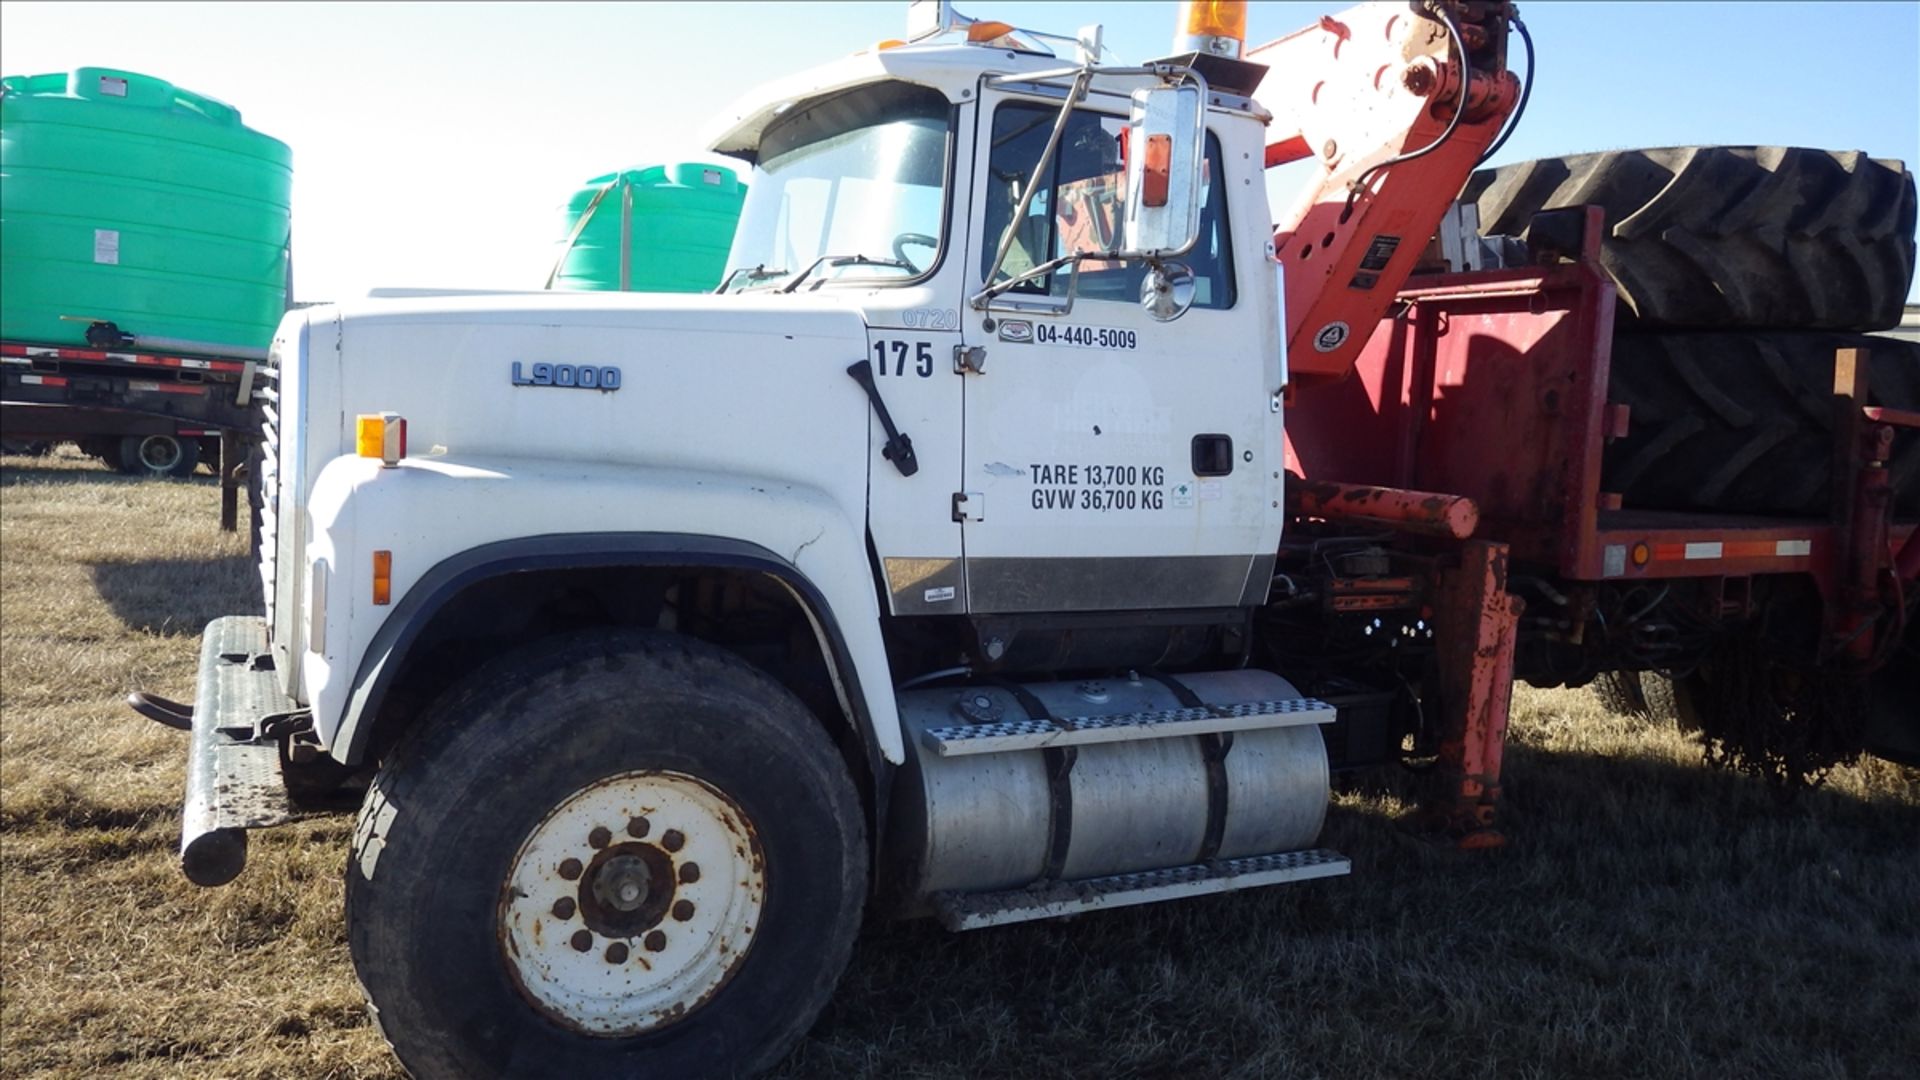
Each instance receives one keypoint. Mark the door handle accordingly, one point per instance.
(899, 448)
(1212, 455)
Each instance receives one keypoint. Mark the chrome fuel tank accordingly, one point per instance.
(1116, 793)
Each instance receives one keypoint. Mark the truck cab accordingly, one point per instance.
(1066, 432)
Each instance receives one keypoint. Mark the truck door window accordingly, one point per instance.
(1079, 207)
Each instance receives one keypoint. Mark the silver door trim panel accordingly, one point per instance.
(1119, 583)
(935, 586)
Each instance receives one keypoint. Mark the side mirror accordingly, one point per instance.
(1164, 153)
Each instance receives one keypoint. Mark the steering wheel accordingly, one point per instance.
(901, 242)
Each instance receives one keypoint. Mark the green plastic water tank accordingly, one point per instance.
(126, 199)
(679, 222)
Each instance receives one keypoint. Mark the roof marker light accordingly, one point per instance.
(1213, 27)
(988, 33)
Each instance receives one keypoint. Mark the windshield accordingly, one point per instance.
(851, 186)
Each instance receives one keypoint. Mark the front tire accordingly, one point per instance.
(519, 897)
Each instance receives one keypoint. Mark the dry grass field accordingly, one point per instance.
(1650, 918)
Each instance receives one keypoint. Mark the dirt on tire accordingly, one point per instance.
(1743, 422)
(1730, 237)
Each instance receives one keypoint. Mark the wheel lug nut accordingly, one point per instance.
(582, 940)
(570, 869)
(637, 827)
(563, 908)
(683, 910)
(689, 873)
(617, 953)
(673, 840)
(655, 941)
(599, 837)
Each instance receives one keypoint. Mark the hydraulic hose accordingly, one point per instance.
(1526, 91)
(1359, 183)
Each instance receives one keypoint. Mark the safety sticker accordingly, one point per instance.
(1331, 336)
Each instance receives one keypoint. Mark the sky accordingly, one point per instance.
(434, 144)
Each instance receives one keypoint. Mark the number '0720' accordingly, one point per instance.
(894, 357)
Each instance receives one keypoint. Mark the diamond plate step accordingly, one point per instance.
(233, 782)
(961, 739)
(972, 911)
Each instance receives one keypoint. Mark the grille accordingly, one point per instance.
(266, 390)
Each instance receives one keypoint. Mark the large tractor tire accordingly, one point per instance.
(1743, 423)
(1727, 237)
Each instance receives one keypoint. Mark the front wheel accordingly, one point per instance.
(626, 855)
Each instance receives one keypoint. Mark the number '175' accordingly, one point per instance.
(890, 357)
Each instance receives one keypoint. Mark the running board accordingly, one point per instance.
(972, 911)
(1000, 737)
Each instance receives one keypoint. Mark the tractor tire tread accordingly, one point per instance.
(1719, 237)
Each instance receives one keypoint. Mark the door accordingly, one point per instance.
(1114, 462)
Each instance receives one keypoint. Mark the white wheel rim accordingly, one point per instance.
(160, 453)
(632, 902)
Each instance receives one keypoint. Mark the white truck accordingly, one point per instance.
(928, 568)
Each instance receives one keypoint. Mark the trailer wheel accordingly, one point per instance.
(1763, 707)
(158, 455)
(1893, 716)
(1646, 695)
(1708, 237)
(611, 855)
(1619, 692)
(1744, 422)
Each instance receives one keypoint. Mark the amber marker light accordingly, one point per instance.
(986, 33)
(1641, 554)
(382, 436)
(383, 577)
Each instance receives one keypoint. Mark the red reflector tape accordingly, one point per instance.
(147, 359)
(1732, 549)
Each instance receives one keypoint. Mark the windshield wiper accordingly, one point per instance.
(846, 260)
(753, 275)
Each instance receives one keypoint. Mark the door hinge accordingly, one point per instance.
(969, 506)
(969, 359)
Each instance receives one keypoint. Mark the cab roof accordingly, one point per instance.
(953, 69)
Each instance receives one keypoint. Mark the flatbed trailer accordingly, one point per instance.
(93, 396)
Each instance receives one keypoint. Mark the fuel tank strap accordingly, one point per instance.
(1214, 748)
(1059, 763)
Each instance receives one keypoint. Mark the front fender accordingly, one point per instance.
(448, 522)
